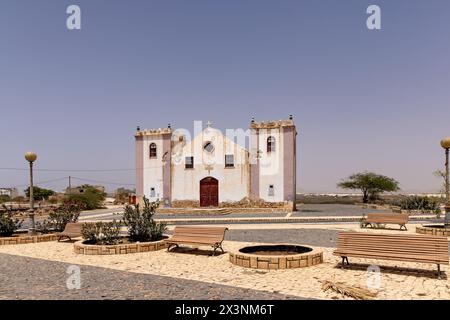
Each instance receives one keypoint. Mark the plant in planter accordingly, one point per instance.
(140, 223)
(69, 211)
(101, 232)
(8, 224)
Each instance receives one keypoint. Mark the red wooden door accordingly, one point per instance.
(209, 192)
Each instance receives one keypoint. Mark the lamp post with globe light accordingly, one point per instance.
(445, 143)
(31, 157)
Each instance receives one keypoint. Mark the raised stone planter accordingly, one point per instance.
(434, 230)
(125, 248)
(275, 262)
(27, 239)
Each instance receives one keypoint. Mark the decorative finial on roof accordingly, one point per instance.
(168, 126)
(208, 124)
(253, 119)
(291, 117)
(138, 128)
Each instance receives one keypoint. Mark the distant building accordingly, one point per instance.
(82, 189)
(212, 168)
(10, 192)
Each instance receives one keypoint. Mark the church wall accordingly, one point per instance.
(233, 182)
(153, 173)
(271, 166)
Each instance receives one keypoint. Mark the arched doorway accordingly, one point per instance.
(209, 192)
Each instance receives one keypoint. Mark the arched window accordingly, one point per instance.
(153, 150)
(270, 144)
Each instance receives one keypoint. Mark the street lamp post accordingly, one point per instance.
(445, 143)
(31, 157)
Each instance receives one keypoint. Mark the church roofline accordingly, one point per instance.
(271, 124)
(152, 132)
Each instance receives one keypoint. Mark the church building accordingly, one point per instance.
(214, 168)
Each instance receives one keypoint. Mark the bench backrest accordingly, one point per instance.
(407, 247)
(388, 217)
(210, 234)
(73, 227)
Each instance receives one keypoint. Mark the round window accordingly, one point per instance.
(208, 147)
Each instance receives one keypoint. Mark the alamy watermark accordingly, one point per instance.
(73, 282)
(374, 20)
(73, 21)
(373, 277)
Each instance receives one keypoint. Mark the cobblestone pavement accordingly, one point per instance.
(29, 278)
(312, 237)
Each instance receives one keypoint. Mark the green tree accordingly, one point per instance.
(91, 198)
(370, 184)
(39, 193)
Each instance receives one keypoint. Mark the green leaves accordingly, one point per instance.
(140, 223)
(91, 198)
(8, 224)
(69, 211)
(39, 193)
(101, 232)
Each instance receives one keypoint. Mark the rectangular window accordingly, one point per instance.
(229, 161)
(152, 192)
(271, 191)
(189, 163)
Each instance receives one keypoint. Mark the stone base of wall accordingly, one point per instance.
(219, 211)
(433, 231)
(126, 248)
(27, 239)
(302, 260)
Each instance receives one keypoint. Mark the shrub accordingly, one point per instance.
(101, 232)
(39, 193)
(420, 203)
(69, 211)
(92, 198)
(8, 224)
(141, 226)
(4, 198)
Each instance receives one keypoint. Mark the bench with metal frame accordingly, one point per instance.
(399, 247)
(197, 236)
(374, 219)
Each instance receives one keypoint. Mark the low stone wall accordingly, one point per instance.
(254, 261)
(126, 248)
(27, 239)
(433, 231)
(219, 211)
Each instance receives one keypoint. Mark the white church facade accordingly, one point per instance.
(214, 168)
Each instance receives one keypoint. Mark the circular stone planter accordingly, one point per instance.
(122, 248)
(25, 239)
(276, 256)
(433, 229)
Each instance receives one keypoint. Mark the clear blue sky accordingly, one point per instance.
(362, 100)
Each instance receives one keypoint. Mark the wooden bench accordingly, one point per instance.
(203, 236)
(386, 218)
(72, 230)
(399, 247)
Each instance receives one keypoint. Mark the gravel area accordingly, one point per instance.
(29, 278)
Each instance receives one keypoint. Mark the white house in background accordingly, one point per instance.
(212, 167)
(11, 192)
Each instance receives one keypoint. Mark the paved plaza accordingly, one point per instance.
(39, 271)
